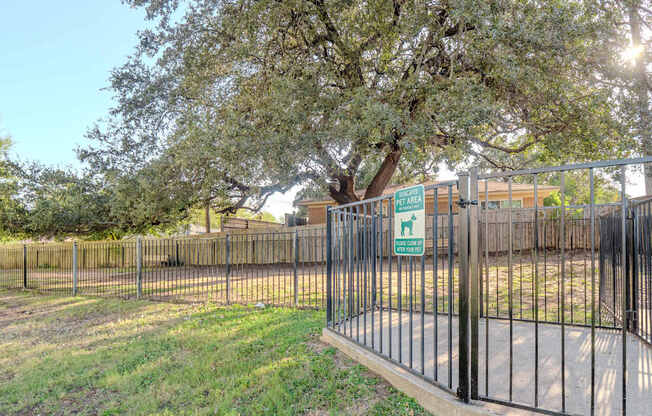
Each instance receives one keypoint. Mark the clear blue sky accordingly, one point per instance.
(55, 57)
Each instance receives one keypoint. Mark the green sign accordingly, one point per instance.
(410, 221)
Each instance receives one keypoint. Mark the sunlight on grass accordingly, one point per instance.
(73, 355)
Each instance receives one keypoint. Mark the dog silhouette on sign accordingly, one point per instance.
(407, 224)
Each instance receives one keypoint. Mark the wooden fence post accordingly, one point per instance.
(74, 268)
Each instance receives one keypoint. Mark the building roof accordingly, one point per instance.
(494, 187)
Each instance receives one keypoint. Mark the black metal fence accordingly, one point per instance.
(284, 268)
(641, 264)
(626, 275)
(524, 311)
(522, 307)
(402, 308)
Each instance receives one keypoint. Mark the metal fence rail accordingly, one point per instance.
(284, 268)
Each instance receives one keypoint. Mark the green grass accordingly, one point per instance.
(65, 355)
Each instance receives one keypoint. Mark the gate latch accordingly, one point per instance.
(463, 203)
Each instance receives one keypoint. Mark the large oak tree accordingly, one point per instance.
(240, 99)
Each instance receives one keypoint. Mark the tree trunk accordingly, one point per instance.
(384, 174)
(208, 218)
(346, 191)
(642, 90)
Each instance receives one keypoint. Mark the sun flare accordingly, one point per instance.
(630, 54)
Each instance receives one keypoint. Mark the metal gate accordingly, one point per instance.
(633, 272)
(505, 304)
(405, 309)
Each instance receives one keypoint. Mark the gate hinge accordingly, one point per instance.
(463, 203)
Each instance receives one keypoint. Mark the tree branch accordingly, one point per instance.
(384, 173)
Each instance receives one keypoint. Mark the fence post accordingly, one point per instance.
(24, 266)
(633, 285)
(463, 250)
(74, 268)
(329, 269)
(474, 276)
(295, 249)
(228, 269)
(139, 268)
(625, 314)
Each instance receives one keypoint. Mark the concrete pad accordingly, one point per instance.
(432, 398)
(577, 383)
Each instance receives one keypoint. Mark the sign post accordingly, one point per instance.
(410, 221)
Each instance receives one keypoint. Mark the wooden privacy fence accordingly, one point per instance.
(272, 247)
(577, 235)
(281, 267)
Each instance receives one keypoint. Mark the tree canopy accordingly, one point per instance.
(224, 103)
(249, 98)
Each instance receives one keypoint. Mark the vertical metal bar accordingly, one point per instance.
(363, 253)
(410, 307)
(345, 250)
(400, 311)
(463, 282)
(474, 277)
(228, 269)
(486, 320)
(373, 272)
(648, 272)
(510, 288)
(295, 249)
(74, 269)
(341, 271)
(382, 260)
(390, 249)
(354, 265)
(545, 268)
(592, 208)
(637, 238)
(423, 309)
(25, 266)
(139, 268)
(451, 260)
(338, 283)
(536, 291)
(345, 310)
(435, 289)
(308, 255)
(329, 268)
(631, 275)
(572, 250)
(520, 264)
(321, 260)
(563, 291)
(623, 214)
(648, 267)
